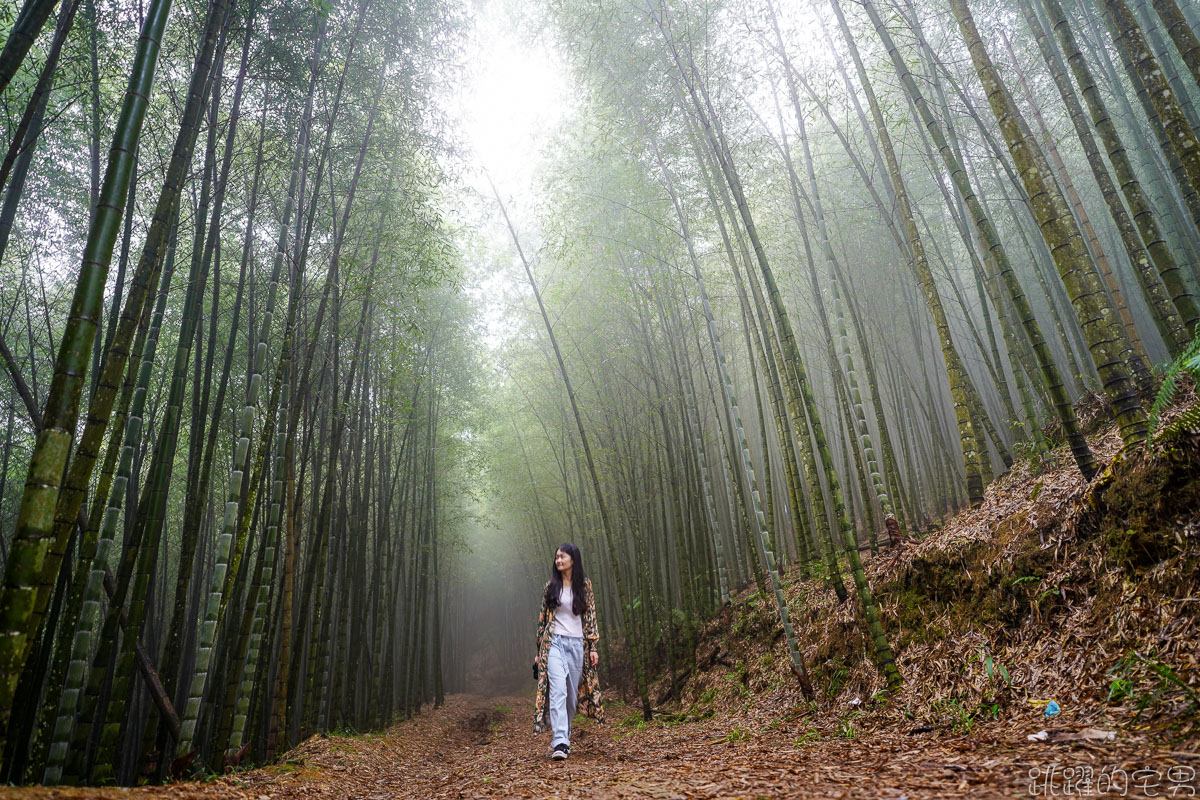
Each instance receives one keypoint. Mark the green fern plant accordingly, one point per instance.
(1187, 422)
(1188, 363)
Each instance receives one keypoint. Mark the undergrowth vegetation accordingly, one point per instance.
(1055, 589)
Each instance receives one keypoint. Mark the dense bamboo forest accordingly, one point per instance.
(324, 324)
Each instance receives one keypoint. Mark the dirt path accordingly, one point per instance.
(477, 747)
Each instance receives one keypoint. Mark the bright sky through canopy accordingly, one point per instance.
(514, 98)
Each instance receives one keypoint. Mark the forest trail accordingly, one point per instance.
(483, 747)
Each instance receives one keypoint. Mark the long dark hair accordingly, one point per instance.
(554, 587)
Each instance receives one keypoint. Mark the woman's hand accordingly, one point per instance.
(594, 657)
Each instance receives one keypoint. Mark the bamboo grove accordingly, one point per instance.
(813, 274)
(803, 279)
(238, 410)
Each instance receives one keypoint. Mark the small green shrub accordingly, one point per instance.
(836, 675)
(810, 736)
(633, 721)
(957, 714)
(996, 671)
(847, 728)
(736, 734)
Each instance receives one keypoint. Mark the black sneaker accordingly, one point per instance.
(561, 751)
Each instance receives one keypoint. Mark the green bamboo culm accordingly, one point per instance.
(1153, 32)
(261, 599)
(1182, 137)
(215, 599)
(766, 347)
(76, 482)
(1167, 315)
(87, 592)
(103, 525)
(858, 422)
(35, 518)
(1100, 327)
(693, 427)
(806, 403)
(759, 521)
(134, 586)
(1186, 236)
(30, 21)
(1144, 215)
(786, 351)
(1181, 34)
(956, 374)
(999, 256)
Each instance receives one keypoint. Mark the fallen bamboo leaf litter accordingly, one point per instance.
(438, 755)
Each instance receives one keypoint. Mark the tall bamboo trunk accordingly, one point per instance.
(1101, 329)
(1082, 218)
(1181, 137)
(35, 520)
(712, 127)
(1143, 214)
(1181, 34)
(28, 24)
(1167, 319)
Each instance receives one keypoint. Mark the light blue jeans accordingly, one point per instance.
(564, 667)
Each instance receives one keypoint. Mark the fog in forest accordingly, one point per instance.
(322, 325)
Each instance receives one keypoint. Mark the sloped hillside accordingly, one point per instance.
(1087, 594)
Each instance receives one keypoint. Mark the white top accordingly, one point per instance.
(566, 621)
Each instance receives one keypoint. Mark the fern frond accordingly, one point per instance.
(1187, 422)
(1166, 395)
(1189, 362)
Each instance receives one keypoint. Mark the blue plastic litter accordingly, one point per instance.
(1052, 709)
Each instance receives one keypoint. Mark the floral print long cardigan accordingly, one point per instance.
(590, 702)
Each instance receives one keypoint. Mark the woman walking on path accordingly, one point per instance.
(567, 637)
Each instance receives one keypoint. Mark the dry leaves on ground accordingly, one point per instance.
(479, 747)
